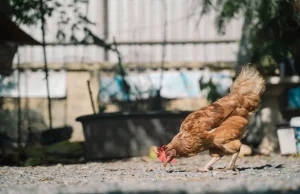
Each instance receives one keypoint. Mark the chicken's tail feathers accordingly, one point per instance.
(248, 81)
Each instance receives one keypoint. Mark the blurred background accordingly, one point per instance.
(81, 79)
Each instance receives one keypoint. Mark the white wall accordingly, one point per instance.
(142, 20)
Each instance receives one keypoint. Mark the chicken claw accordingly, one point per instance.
(208, 167)
(204, 169)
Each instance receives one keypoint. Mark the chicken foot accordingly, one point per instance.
(208, 166)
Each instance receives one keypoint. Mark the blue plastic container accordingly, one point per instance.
(297, 133)
(298, 147)
(295, 123)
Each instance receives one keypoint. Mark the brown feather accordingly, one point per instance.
(220, 126)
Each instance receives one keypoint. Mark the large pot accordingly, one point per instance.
(119, 135)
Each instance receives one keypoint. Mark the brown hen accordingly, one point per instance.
(220, 126)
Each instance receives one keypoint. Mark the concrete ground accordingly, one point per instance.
(261, 174)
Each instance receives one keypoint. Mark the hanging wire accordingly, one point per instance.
(163, 53)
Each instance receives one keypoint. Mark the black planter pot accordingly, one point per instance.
(120, 135)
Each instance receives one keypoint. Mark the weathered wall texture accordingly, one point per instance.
(78, 99)
(64, 111)
(77, 103)
(131, 21)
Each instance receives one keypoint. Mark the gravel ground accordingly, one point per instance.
(274, 174)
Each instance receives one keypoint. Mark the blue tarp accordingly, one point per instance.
(175, 84)
(294, 98)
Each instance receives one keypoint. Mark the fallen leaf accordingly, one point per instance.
(171, 171)
(280, 166)
(113, 169)
(46, 179)
(153, 152)
(149, 170)
(145, 159)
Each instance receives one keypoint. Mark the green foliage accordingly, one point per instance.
(65, 148)
(274, 26)
(62, 152)
(213, 93)
(230, 10)
(28, 12)
(33, 161)
(102, 108)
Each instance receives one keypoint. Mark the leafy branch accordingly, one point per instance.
(271, 29)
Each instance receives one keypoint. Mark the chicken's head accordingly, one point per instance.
(166, 155)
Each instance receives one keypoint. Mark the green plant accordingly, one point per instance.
(28, 12)
(213, 93)
(271, 28)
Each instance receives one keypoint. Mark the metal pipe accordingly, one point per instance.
(45, 62)
(169, 42)
(19, 102)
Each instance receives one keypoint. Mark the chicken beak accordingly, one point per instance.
(165, 164)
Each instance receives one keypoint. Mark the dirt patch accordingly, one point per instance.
(137, 175)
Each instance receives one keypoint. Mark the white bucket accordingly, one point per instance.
(287, 141)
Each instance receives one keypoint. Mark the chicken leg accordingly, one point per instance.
(208, 166)
(232, 161)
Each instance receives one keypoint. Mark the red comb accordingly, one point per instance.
(162, 148)
(161, 155)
